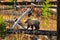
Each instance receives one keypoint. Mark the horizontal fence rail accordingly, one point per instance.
(28, 6)
(24, 3)
(36, 32)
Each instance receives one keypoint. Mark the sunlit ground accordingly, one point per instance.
(52, 25)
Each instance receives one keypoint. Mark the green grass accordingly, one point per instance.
(46, 12)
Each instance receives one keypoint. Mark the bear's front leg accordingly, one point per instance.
(28, 26)
(32, 27)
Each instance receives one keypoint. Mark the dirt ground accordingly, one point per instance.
(52, 24)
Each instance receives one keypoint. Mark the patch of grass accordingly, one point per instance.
(11, 0)
(46, 12)
(2, 28)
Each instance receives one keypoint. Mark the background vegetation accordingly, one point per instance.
(46, 12)
(2, 27)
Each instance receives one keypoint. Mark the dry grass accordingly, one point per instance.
(52, 25)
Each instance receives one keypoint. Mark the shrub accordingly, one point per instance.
(46, 12)
(2, 28)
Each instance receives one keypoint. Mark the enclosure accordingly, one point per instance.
(15, 13)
